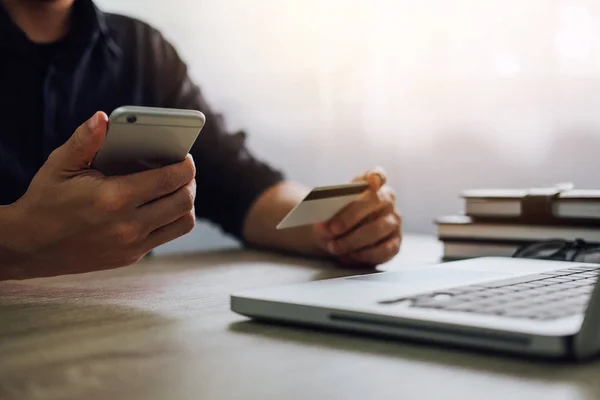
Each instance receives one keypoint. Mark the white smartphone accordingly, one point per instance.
(142, 138)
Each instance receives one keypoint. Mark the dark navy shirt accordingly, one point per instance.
(107, 61)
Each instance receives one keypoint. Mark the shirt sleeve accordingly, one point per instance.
(229, 177)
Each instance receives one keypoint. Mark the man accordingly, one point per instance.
(63, 62)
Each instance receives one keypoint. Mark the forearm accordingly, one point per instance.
(268, 211)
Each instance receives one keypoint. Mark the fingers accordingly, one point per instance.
(168, 209)
(379, 253)
(81, 148)
(143, 187)
(322, 233)
(183, 225)
(368, 203)
(369, 230)
(322, 236)
(366, 235)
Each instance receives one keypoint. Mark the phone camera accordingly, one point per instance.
(132, 119)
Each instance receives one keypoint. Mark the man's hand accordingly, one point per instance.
(73, 219)
(367, 231)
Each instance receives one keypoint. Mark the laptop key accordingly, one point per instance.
(545, 290)
(547, 316)
(577, 301)
(583, 290)
(572, 284)
(523, 313)
(566, 278)
(557, 273)
(555, 280)
(580, 284)
(435, 300)
(583, 268)
(538, 284)
(485, 304)
(469, 297)
(513, 308)
(558, 296)
(515, 298)
(521, 287)
(460, 307)
(546, 298)
(570, 312)
(540, 290)
(510, 281)
(462, 290)
(497, 292)
(509, 298)
(498, 310)
(584, 275)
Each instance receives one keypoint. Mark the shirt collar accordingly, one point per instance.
(88, 25)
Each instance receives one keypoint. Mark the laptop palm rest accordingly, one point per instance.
(424, 279)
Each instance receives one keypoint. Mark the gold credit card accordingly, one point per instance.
(322, 204)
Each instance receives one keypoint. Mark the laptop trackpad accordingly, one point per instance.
(433, 277)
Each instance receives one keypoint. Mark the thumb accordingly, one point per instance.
(82, 146)
(375, 177)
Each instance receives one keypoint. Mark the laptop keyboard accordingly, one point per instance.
(545, 296)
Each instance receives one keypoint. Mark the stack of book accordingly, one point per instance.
(497, 222)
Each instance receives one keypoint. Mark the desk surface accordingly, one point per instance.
(162, 329)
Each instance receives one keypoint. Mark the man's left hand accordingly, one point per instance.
(369, 230)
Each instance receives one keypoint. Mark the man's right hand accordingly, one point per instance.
(73, 219)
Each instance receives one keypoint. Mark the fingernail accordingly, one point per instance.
(331, 247)
(93, 122)
(375, 181)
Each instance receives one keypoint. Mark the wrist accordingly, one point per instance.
(13, 244)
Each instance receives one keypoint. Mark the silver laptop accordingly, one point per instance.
(535, 307)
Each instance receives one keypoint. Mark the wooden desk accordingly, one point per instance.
(162, 329)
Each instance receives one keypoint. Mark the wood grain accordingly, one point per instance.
(162, 329)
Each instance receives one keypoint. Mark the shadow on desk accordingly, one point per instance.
(234, 257)
(412, 350)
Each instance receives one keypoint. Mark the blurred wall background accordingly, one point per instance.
(445, 94)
